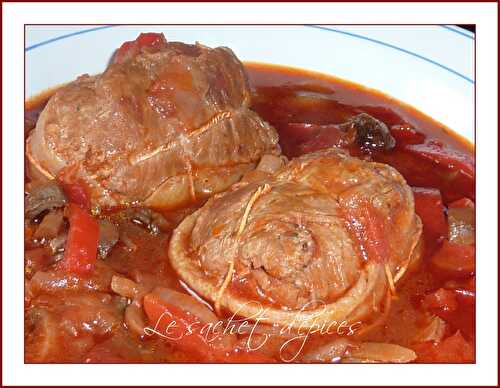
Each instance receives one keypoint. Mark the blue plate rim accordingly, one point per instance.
(461, 32)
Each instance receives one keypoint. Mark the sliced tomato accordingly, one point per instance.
(454, 349)
(455, 260)
(80, 253)
(429, 207)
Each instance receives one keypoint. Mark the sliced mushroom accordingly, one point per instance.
(108, 237)
(151, 220)
(44, 197)
(50, 226)
(371, 134)
(57, 244)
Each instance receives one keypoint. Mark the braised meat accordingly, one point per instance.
(325, 230)
(165, 124)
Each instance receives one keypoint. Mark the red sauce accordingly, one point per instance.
(282, 96)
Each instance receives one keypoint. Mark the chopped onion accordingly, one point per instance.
(41, 341)
(186, 303)
(125, 287)
(50, 225)
(374, 352)
(433, 331)
(461, 225)
(134, 319)
(330, 352)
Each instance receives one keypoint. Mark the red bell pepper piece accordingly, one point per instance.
(178, 327)
(184, 331)
(404, 134)
(368, 228)
(455, 260)
(429, 207)
(301, 138)
(430, 165)
(442, 299)
(462, 203)
(77, 192)
(444, 156)
(80, 253)
(150, 41)
(454, 349)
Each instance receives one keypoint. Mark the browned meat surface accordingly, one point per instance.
(325, 229)
(161, 127)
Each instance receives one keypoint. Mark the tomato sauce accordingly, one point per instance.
(428, 155)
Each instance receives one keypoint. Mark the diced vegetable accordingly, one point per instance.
(461, 225)
(373, 352)
(440, 300)
(50, 225)
(35, 260)
(362, 131)
(330, 352)
(454, 349)
(456, 305)
(422, 168)
(455, 260)
(125, 287)
(371, 134)
(58, 243)
(81, 247)
(77, 192)
(434, 330)
(462, 221)
(367, 227)
(44, 197)
(135, 320)
(444, 156)
(151, 220)
(303, 138)
(404, 134)
(462, 203)
(181, 320)
(179, 327)
(150, 41)
(429, 207)
(108, 237)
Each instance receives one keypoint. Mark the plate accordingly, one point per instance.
(430, 67)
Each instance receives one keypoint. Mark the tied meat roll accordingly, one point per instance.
(166, 123)
(324, 238)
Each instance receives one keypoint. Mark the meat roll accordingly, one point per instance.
(325, 238)
(164, 124)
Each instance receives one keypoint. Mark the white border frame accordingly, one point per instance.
(484, 15)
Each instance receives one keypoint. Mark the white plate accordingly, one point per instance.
(429, 67)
